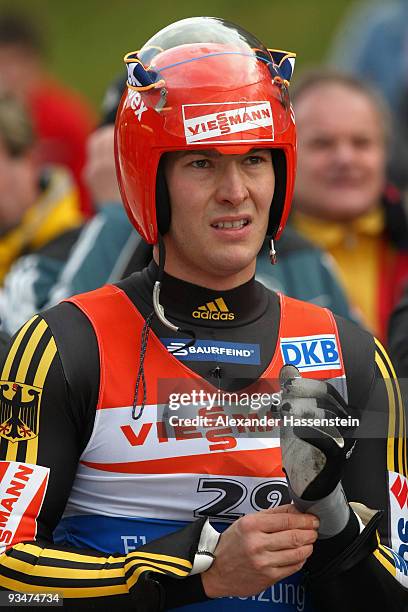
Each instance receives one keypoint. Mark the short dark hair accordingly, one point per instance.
(315, 77)
(20, 30)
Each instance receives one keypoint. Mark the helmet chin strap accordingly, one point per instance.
(272, 252)
(158, 308)
(137, 410)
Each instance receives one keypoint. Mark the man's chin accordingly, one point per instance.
(345, 209)
(224, 266)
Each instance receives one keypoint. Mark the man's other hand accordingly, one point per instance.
(260, 549)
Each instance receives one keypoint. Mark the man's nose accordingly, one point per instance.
(231, 186)
(345, 153)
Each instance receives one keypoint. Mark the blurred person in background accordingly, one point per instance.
(398, 336)
(85, 257)
(36, 202)
(61, 118)
(107, 249)
(341, 202)
(372, 39)
(372, 43)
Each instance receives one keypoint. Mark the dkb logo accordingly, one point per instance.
(311, 352)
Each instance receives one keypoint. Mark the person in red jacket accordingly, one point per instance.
(62, 119)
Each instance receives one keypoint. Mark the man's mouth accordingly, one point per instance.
(236, 224)
(345, 181)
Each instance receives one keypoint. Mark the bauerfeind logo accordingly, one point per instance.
(214, 311)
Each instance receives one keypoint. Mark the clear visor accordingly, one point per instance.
(202, 30)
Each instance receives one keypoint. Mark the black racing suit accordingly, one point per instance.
(69, 378)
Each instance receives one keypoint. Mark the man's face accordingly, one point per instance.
(18, 187)
(19, 70)
(219, 215)
(341, 153)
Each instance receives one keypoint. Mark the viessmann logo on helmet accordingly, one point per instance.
(203, 122)
(214, 311)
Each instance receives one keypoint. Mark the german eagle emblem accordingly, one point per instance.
(19, 411)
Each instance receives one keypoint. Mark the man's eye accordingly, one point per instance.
(200, 163)
(363, 143)
(254, 160)
(321, 143)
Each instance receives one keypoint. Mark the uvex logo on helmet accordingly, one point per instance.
(253, 121)
(136, 103)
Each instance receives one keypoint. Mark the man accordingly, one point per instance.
(340, 199)
(61, 118)
(97, 370)
(36, 203)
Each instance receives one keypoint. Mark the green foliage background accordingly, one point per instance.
(87, 39)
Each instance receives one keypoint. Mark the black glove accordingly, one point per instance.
(315, 448)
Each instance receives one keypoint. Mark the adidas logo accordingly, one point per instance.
(214, 311)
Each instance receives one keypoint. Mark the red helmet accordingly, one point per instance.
(202, 83)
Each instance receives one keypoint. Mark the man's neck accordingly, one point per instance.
(208, 280)
(193, 304)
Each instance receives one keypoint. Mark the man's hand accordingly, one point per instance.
(260, 549)
(314, 455)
